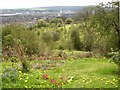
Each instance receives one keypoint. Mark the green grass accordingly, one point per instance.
(80, 73)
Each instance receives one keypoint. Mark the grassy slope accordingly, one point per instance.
(86, 73)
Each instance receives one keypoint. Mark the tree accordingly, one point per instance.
(105, 19)
(56, 21)
(83, 17)
(42, 23)
(74, 36)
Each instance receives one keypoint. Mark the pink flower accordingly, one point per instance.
(53, 81)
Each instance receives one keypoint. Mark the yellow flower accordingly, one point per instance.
(25, 86)
(103, 78)
(20, 72)
(106, 83)
(113, 83)
(83, 81)
(26, 81)
(27, 78)
(113, 79)
(31, 75)
(98, 78)
(20, 78)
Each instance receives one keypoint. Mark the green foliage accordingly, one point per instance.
(9, 75)
(41, 23)
(105, 20)
(56, 21)
(20, 35)
(75, 39)
(69, 20)
(25, 66)
(115, 56)
(50, 36)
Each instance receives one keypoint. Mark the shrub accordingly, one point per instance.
(41, 23)
(12, 34)
(115, 56)
(56, 21)
(75, 39)
(69, 21)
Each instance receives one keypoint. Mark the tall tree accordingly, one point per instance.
(105, 19)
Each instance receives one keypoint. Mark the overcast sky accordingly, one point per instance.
(42, 3)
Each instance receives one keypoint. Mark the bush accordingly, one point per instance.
(115, 56)
(56, 21)
(18, 34)
(69, 21)
(42, 23)
(75, 39)
(50, 36)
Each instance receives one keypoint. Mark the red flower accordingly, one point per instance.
(53, 81)
(45, 76)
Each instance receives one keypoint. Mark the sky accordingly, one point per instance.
(12, 4)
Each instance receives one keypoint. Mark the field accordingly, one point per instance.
(80, 73)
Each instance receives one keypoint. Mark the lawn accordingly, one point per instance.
(70, 73)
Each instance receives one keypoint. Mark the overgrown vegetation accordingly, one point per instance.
(91, 34)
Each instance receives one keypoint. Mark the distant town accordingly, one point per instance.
(31, 16)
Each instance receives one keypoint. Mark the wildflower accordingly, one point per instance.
(20, 78)
(113, 79)
(31, 75)
(25, 86)
(103, 78)
(106, 83)
(45, 76)
(98, 78)
(70, 78)
(53, 81)
(27, 78)
(26, 81)
(20, 72)
(113, 83)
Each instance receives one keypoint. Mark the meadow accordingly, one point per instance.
(71, 73)
(62, 52)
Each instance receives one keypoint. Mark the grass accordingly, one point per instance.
(80, 73)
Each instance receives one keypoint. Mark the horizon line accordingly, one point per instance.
(50, 6)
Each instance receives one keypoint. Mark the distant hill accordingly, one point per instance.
(43, 9)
